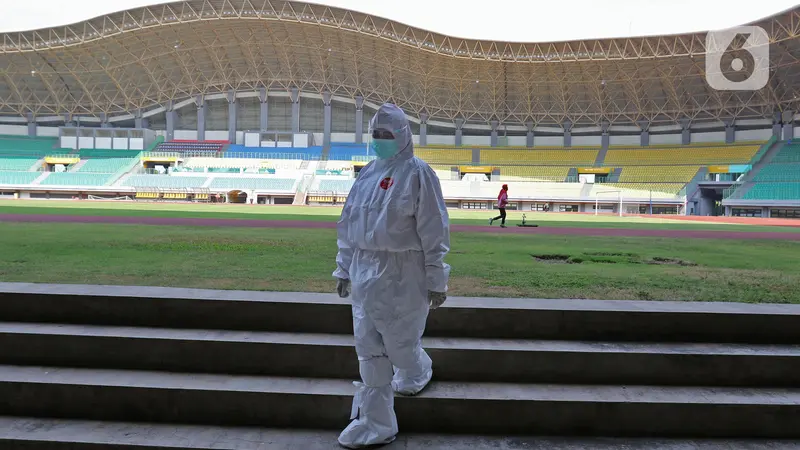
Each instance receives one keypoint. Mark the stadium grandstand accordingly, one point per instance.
(268, 102)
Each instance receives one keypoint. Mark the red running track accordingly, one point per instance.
(255, 223)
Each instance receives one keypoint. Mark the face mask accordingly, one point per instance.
(384, 148)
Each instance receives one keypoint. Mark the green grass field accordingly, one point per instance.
(484, 264)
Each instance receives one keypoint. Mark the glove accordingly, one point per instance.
(343, 287)
(436, 299)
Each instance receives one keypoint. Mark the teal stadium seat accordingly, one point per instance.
(788, 154)
(165, 181)
(75, 179)
(780, 179)
(17, 163)
(779, 172)
(27, 145)
(774, 191)
(266, 184)
(105, 165)
(86, 153)
(337, 186)
(18, 178)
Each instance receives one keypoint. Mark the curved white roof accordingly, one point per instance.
(499, 20)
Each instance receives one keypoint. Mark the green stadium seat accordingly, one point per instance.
(165, 181)
(337, 186)
(18, 178)
(105, 165)
(267, 184)
(17, 163)
(76, 179)
(774, 191)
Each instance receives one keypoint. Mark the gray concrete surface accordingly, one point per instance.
(462, 317)
(503, 367)
(50, 434)
(455, 359)
(483, 408)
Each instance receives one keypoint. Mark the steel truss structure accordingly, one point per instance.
(146, 57)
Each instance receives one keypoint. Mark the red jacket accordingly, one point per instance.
(502, 199)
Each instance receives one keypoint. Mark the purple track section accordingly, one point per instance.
(256, 223)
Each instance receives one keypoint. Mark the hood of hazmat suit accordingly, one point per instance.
(393, 235)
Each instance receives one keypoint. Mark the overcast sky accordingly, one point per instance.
(509, 20)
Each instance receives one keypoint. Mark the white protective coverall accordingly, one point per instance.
(393, 235)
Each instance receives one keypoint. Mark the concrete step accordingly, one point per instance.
(443, 408)
(24, 433)
(455, 359)
(634, 321)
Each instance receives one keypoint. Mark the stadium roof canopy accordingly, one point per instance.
(145, 57)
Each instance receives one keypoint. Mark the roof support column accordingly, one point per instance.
(686, 130)
(529, 134)
(788, 125)
(459, 133)
(359, 119)
(68, 120)
(493, 139)
(295, 95)
(644, 137)
(201, 117)
(604, 138)
(326, 122)
(423, 129)
(171, 119)
(263, 97)
(31, 124)
(104, 121)
(567, 124)
(730, 130)
(138, 119)
(777, 120)
(233, 110)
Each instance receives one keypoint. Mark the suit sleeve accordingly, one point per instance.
(345, 254)
(433, 228)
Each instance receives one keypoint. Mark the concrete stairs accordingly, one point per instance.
(601, 157)
(692, 187)
(40, 178)
(76, 167)
(572, 175)
(37, 165)
(84, 367)
(613, 177)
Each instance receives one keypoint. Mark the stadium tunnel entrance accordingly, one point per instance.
(708, 200)
(237, 196)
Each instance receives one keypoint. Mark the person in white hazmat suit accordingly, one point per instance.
(393, 235)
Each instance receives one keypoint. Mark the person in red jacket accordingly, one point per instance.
(502, 201)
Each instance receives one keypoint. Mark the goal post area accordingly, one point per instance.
(611, 202)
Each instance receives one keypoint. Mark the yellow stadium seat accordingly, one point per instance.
(433, 155)
(669, 188)
(543, 173)
(718, 154)
(321, 199)
(544, 157)
(662, 174)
